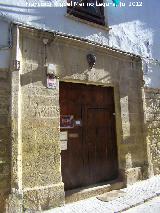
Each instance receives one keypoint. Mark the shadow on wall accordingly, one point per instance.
(131, 26)
(38, 75)
(124, 22)
(116, 15)
(52, 18)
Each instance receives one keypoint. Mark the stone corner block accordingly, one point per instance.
(133, 175)
(43, 198)
(14, 204)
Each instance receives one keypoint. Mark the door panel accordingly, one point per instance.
(97, 138)
(91, 155)
(72, 160)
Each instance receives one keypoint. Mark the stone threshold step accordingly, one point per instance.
(92, 190)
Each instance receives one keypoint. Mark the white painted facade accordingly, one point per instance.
(134, 29)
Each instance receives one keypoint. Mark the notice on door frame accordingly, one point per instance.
(63, 145)
(51, 83)
(64, 136)
(78, 123)
(63, 140)
(67, 121)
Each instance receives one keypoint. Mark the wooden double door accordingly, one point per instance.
(87, 117)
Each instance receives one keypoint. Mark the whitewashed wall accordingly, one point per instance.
(134, 29)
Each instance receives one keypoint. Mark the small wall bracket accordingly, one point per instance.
(16, 65)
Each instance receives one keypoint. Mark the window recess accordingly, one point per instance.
(90, 10)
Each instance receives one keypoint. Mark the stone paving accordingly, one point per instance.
(152, 206)
(136, 194)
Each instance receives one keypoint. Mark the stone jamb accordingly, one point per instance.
(14, 203)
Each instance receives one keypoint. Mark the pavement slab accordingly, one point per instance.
(152, 206)
(135, 194)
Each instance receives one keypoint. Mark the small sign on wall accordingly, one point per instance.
(63, 145)
(63, 136)
(78, 123)
(63, 140)
(52, 82)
